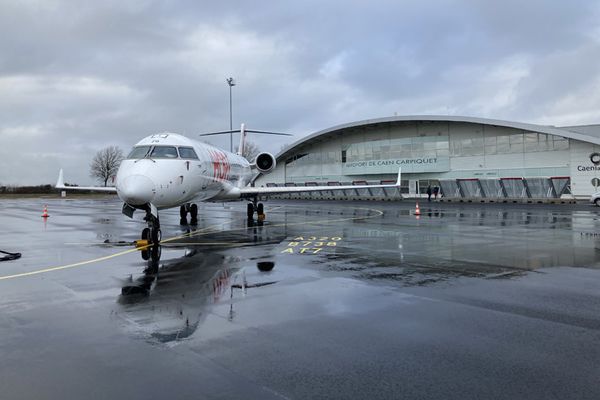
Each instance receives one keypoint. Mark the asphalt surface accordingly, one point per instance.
(364, 300)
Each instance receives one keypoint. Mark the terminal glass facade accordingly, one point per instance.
(401, 148)
(431, 151)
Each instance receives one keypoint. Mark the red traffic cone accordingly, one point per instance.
(45, 213)
(417, 210)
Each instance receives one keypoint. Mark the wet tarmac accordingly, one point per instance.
(324, 300)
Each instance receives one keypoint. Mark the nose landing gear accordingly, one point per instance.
(152, 233)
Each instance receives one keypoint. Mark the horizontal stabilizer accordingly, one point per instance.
(246, 130)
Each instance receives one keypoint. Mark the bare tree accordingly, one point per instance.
(250, 151)
(106, 163)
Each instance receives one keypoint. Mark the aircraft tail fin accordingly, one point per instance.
(242, 140)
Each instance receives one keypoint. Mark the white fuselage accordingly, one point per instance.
(156, 173)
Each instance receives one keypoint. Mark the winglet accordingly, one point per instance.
(397, 182)
(60, 183)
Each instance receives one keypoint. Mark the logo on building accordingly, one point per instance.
(595, 158)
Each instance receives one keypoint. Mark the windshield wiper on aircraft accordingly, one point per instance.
(146, 156)
(149, 158)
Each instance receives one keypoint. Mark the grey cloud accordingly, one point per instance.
(108, 73)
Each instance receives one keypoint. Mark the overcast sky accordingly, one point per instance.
(75, 78)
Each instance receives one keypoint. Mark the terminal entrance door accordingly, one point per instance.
(424, 183)
(413, 186)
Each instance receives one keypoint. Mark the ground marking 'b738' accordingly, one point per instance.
(310, 244)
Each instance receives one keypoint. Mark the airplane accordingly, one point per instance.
(167, 170)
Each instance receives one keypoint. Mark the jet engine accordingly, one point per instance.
(264, 162)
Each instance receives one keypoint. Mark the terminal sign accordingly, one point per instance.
(419, 164)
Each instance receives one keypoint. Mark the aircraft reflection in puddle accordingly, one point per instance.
(172, 298)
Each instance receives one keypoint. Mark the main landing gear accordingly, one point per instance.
(260, 212)
(183, 211)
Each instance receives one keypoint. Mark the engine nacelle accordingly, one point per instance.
(264, 162)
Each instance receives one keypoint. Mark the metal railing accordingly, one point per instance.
(472, 188)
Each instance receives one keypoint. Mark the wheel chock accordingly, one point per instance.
(141, 243)
(261, 217)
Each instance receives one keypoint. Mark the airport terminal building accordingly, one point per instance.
(465, 156)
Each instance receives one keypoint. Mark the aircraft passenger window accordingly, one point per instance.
(139, 152)
(164, 152)
(187, 153)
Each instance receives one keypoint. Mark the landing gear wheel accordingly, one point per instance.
(183, 214)
(260, 211)
(250, 211)
(194, 214)
(156, 235)
(155, 252)
(146, 236)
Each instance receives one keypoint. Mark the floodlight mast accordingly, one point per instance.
(231, 84)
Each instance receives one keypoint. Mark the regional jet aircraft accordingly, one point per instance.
(168, 170)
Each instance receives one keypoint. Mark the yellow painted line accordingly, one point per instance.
(200, 244)
(196, 232)
(117, 244)
(78, 264)
(379, 213)
(96, 260)
(199, 232)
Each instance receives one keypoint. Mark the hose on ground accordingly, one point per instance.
(9, 256)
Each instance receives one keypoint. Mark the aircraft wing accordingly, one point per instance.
(60, 184)
(257, 191)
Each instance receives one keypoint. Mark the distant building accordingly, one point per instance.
(465, 156)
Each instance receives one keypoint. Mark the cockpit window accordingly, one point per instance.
(187, 153)
(139, 152)
(163, 152)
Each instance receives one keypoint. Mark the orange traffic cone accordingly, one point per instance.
(417, 210)
(45, 213)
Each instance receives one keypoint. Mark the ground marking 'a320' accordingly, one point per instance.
(310, 244)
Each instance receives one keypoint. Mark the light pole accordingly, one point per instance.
(231, 84)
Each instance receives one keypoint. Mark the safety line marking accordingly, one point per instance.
(42, 271)
(198, 232)
(95, 260)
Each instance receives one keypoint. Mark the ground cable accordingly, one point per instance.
(9, 256)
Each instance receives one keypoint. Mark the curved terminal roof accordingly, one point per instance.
(321, 135)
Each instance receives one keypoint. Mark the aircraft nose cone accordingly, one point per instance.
(136, 190)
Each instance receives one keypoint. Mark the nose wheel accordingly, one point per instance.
(152, 233)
